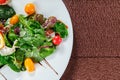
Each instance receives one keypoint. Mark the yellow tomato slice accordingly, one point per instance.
(14, 19)
(30, 8)
(2, 42)
(29, 65)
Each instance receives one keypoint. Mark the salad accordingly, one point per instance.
(26, 40)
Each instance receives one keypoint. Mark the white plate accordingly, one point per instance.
(59, 60)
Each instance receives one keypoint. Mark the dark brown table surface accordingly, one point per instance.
(96, 50)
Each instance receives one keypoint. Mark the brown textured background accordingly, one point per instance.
(96, 50)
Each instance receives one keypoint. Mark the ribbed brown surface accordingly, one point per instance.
(93, 69)
(96, 51)
(96, 26)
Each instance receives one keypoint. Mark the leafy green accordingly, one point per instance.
(14, 67)
(29, 23)
(60, 28)
(32, 42)
(34, 54)
(20, 54)
(48, 43)
(12, 36)
(16, 60)
(7, 43)
(3, 60)
(33, 24)
(31, 39)
(45, 52)
(9, 60)
(33, 36)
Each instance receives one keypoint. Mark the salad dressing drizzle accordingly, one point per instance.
(50, 66)
(3, 76)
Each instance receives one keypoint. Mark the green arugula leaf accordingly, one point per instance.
(60, 28)
(34, 54)
(12, 36)
(19, 55)
(7, 43)
(14, 67)
(3, 60)
(45, 52)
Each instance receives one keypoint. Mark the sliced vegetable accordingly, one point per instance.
(49, 32)
(50, 22)
(57, 40)
(14, 19)
(6, 12)
(30, 8)
(2, 28)
(40, 18)
(5, 51)
(2, 22)
(29, 65)
(2, 42)
(2, 1)
(37, 17)
(17, 30)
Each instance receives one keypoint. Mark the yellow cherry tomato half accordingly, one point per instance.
(29, 65)
(2, 42)
(14, 19)
(30, 8)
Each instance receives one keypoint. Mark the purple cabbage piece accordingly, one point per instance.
(49, 23)
(17, 30)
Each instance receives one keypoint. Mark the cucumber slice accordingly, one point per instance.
(6, 12)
